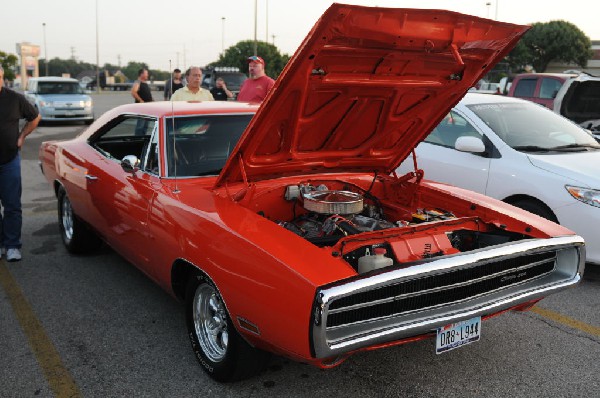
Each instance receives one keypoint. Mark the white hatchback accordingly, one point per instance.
(521, 153)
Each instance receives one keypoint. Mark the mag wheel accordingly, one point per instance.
(221, 351)
(76, 236)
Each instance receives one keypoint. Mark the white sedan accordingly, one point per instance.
(523, 154)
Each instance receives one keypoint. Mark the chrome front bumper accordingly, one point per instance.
(401, 303)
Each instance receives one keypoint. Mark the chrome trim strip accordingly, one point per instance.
(332, 341)
(442, 288)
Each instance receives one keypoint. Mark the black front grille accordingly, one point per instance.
(541, 263)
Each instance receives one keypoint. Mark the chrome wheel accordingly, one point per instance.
(67, 218)
(210, 322)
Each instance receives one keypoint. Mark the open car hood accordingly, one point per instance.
(364, 88)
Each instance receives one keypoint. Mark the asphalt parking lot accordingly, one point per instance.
(94, 326)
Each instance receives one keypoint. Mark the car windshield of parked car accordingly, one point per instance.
(530, 127)
(59, 88)
(202, 143)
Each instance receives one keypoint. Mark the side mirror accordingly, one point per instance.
(130, 164)
(469, 144)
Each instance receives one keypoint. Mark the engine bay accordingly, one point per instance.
(372, 229)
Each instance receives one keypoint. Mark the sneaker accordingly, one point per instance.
(13, 254)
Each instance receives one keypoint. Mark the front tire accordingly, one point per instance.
(536, 208)
(76, 236)
(221, 351)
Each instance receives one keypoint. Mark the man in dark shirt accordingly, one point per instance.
(13, 107)
(140, 90)
(221, 92)
(173, 84)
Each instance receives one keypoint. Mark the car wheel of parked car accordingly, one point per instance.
(221, 351)
(76, 236)
(536, 208)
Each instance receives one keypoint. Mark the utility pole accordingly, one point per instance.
(119, 60)
(97, 54)
(223, 35)
(73, 53)
(267, 21)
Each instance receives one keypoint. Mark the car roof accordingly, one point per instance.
(54, 79)
(559, 75)
(168, 108)
(480, 98)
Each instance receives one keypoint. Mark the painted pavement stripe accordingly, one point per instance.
(58, 377)
(565, 320)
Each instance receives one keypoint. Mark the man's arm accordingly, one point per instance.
(27, 129)
(134, 92)
(168, 86)
(228, 93)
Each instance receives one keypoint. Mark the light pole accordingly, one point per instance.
(488, 4)
(97, 54)
(223, 35)
(255, 26)
(267, 21)
(45, 48)
(496, 15)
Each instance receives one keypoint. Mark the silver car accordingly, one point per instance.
(60, 99)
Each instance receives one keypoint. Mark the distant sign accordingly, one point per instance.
(28, 50)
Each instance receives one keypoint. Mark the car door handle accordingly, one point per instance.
(90, 177)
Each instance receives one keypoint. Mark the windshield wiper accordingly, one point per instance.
(209, 172)
(531, 148)
(574, 146)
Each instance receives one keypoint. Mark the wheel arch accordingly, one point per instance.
(513, 199)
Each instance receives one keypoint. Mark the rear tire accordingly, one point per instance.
(76, 236)
(536, 208)
(219, 348)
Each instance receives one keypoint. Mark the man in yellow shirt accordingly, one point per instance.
(192, 90)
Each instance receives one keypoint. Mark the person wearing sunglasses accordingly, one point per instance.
(255, 88)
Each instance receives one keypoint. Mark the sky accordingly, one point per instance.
(169, 34)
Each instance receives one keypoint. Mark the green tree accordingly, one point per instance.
(237, 55)
(8, 62)
(132, 69)
(551, 41)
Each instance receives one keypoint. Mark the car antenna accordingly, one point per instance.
(176, 190)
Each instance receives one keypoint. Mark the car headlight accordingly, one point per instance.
(87, 104)
(45, 104)
(585, 195)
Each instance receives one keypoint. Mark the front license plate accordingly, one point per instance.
(458, 334)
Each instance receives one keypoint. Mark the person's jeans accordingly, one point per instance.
(11, 218)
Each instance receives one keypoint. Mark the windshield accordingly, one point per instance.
(530, 127)
(59, 88)
(202, 143)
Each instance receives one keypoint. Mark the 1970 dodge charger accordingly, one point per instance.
(284, 228)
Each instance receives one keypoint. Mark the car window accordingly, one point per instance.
(202, 143)
(447, 132)
(59, 88)
(526, 124)
(549, 88)
(150, 158)
(125, 136)
(525, 88)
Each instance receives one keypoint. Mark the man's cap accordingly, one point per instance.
(256, 59)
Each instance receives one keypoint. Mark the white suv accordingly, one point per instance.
(60, 99)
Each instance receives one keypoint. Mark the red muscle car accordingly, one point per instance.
(284, 228)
